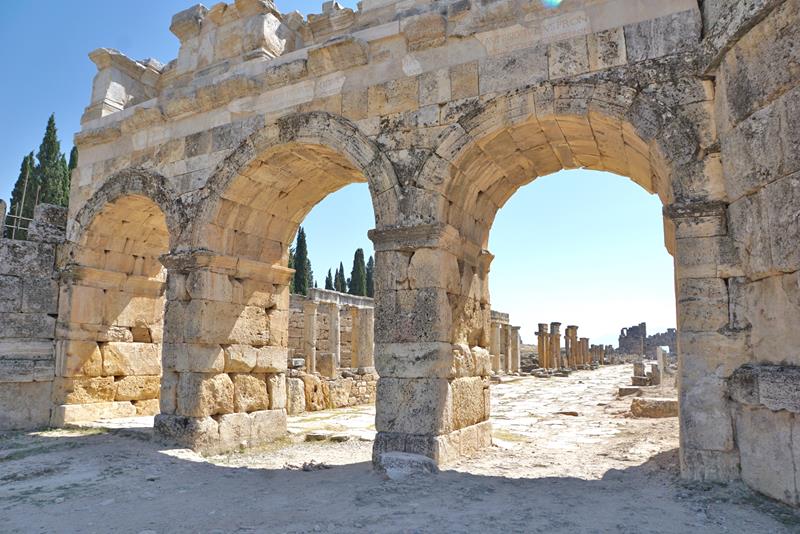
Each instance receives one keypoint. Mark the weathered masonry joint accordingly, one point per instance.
(194, 176)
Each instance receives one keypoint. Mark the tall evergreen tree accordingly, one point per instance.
(339, 282)
(73, 159)
(52, 170)
(371, 277)
(358, 276)
(329, 281)
(302, 265)
(291, 266)
(25, 180)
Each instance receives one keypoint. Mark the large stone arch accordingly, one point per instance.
(494, 147)
(227, 311)
(111, 305)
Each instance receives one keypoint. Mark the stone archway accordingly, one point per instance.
(111, 307)
(227, 314)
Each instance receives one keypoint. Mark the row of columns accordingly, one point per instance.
(577, 352)
(505, 348)
(362, 342)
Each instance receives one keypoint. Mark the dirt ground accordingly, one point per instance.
(597, 471)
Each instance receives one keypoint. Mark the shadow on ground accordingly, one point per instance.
(104, 481)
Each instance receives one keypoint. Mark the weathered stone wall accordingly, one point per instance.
(634, 340)
(758, 97)
(28, 308)
(311, 393)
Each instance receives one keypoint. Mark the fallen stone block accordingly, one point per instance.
(640, 381)
(654, 407)
(625, 391)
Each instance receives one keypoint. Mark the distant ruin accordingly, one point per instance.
(634, 340)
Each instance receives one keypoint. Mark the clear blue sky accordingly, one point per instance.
(605, 266)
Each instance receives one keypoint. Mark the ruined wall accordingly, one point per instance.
(634, 340)
(312, 393)
(28, 308)
(758, 97)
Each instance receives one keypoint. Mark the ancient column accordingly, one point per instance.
(543, 348)
(584, 344)
(310, 336)
(494, 347)
(335, 332)
(573, 348)
(515, 349)
(555, 345)
(508, 352)
(363, 346)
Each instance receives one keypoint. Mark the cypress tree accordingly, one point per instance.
(329, 281)
(17, 207)
(339, 283)
(358, 276)
(291, 266)
(371, 277)
(302, 266)
(52, 171)
(73, 159)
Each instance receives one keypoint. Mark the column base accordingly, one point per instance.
(222, 433)
(444, 449)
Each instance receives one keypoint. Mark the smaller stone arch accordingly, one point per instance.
(112, 298)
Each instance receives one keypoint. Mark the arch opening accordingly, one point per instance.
(111, 317)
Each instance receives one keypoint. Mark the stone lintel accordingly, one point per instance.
(188, 261)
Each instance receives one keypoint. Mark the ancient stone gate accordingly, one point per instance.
(195, 175)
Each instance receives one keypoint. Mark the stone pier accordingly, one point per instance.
(544, 346)
(555, 346)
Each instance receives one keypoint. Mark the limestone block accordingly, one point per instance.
(707, 354)
(431, 268)
(197, 433)
(27, 325)
(415, 405)
(702, 304)
(424, 31)
(773, 386)
(25, 406)
(240, 358)
(707, 257)
(340, 53)
(296, 396)
(168, 396)
(81, 390)
(276, 389)
(125, 309)
(340, 392)
(36, 260)
(501, 73)
(271, 360)
(200, 395)
(138, 388)
(663, 36)
(401, 465)
(394, 96)
(464, 81)
(10, 293)
(78, 358)
(768, 453)
(607, 49)
(421, 315)
(314, 391)
(652, 407)
(147, 407)
(235, 430)
(249, 392)
(705, 418)
(184, 357)
(326, 364)
(81, 413)
(434, 87)
(468, 402)
(206, 285)
(568, 58)
(709, 466)
(267, 426)
(780, 201)
(211, 322)
(126, 359)
(752, 153)
(773, 311)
